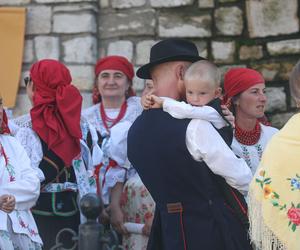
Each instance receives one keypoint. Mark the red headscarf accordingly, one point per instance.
(56, 109)
(113, 63)
(237, 80)
(4, 126)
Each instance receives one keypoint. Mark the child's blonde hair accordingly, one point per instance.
(204, 70)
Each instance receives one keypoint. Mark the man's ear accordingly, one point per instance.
(179, 72)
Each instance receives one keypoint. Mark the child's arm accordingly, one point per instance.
(182, 110)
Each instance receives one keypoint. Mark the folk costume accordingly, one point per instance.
(212, 112)
(108, 130)
(190, 211)
(108, 142)
(53, 141)
(17, 229)
(248, 145)
(274, 201)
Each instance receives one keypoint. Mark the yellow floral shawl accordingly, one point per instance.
(274, 194)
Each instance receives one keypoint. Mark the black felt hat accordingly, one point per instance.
(172, 49)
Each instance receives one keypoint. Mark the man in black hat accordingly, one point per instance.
(190, 210)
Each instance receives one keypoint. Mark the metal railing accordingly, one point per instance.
(91, 235)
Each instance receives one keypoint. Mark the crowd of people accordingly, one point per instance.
(176, 169)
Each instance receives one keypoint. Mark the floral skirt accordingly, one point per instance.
(12, 241)
(138, 207)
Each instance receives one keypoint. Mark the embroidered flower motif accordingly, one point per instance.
(294, 216)
(267, 191)
(31, 231)
(259, 151)
(246, 156)
(262, 173)
(293, 213)
(295, 182)
(9, 167)
(76, 164)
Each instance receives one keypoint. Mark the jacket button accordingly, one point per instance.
(210, 202)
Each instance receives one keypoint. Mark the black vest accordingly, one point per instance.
(190, 208)
(58, 203)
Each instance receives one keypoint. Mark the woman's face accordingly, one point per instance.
(112, 84)
(252, 102)
(149, 87)
(29, 91)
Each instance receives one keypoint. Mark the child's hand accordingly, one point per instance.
(146, 101)
(7, 203)
(156, 102)
(228, 115)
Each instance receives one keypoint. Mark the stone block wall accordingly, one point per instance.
(263, 35)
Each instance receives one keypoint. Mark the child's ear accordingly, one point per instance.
(218, 92)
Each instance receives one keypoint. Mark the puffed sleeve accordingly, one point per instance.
(205, 144)
(182, 110)
(26, 188)
(32, 145)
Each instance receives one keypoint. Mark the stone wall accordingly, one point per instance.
(263, 35)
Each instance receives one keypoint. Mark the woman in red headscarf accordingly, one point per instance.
(19, 190)
(53, 143)
(245, 96)
(114, 111)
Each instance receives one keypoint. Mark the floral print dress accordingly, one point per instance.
(138, 207)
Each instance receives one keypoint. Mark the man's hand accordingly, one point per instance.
(7, 203)
(228, 115)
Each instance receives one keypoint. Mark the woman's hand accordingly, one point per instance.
(117, 219)
(7, 203)
(228, 115)
(147, 228)
(104, 216)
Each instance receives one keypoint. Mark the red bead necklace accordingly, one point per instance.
(106, 119)
(248, 137)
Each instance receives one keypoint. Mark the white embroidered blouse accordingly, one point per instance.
(19, 179)
(252, 154)
(114, 145)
